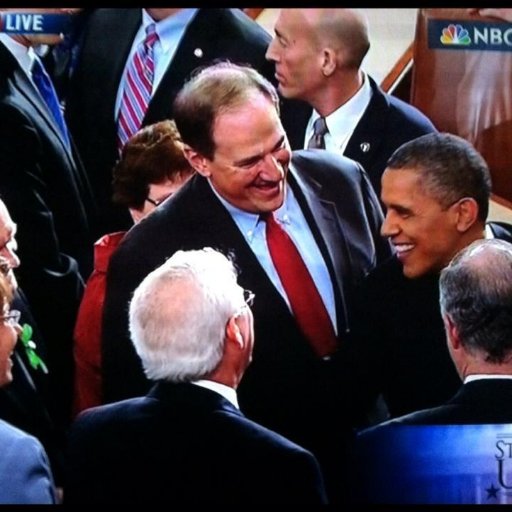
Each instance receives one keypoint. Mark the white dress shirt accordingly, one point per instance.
(343, 121)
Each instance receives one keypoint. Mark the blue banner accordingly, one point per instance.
(470, 35)
(34, 23)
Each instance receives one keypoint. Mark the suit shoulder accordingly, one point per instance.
(19, 445)
(405, 113)
(262, 438)
(10, 434)
(239, 19)
(501, 230)
(326, 165)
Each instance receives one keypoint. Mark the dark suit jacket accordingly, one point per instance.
(219, 33)
(399, 344)
(485, 401)
(287, 387)
(24, 470)
(183, 444)
(447, 454)
(386, 124)
(48, 196)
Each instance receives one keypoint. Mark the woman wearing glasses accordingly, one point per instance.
(24, 467)
(151, 168)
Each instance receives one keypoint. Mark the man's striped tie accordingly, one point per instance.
(137, 88)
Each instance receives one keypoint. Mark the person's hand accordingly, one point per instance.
(502, 14)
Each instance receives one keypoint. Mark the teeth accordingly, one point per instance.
(403, 247)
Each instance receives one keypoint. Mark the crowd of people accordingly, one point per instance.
(229, 260)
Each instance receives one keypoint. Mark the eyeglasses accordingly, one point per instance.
(11, 318)
(249, 297)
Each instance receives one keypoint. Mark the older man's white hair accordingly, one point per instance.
(178, 315)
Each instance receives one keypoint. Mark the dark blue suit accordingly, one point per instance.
(24, 470)
(185, 445)
(450, 454)
(386, 124)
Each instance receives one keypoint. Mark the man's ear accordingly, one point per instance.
(329, 61)
(233, 332)
(452, 333)
(197, 161)
(467, 214)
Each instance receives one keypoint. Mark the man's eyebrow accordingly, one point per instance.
(255, 158)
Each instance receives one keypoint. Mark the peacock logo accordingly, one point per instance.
(455, 35)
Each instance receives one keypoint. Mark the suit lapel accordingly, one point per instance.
(366, 138)
(321, 216)
(28, 90)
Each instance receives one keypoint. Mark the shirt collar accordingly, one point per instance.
(228, 393)
(166, 27)
(345, 118)
(24, 55)
(248, 221)
(481, 376)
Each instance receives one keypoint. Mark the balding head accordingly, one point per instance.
(343, 30)
(318, 54)
(476, 295)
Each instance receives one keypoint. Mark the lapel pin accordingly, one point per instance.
(365, 147)
(198, 53)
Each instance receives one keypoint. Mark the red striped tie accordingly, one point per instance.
(305, 301)
(137, 88)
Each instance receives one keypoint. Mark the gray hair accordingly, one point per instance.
(476, 294)
(178, 315)
(449, 168)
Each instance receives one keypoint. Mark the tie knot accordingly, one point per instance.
(151, 35)
(320, 126)
(319, 130)
(267, 217)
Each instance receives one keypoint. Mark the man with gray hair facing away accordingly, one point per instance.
(187, 441)
(476, 306)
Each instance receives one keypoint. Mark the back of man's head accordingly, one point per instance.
(476, 295)
(450, 168)
(179, 312)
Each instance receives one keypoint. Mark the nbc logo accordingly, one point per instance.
(455, 34)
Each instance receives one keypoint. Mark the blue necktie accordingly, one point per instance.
(45, 87)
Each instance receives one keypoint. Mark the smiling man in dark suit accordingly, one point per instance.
(476, 302)
(228, 117)
(187, 38)
(452, 453)
(436, 189)
(187, 442)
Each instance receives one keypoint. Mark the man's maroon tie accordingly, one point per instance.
(305, 301)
